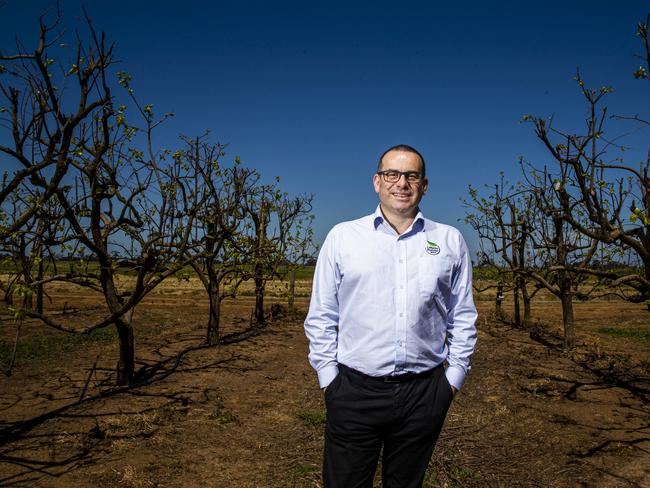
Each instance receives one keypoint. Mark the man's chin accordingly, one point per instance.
(404, 209)
(405, 203)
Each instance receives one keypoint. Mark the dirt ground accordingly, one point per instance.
(249, 413)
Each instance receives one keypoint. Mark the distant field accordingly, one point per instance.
(65, 266)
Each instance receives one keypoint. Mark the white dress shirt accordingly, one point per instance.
(387, 304)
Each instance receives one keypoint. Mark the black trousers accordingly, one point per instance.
(365, 414)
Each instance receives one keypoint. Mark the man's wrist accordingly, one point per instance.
(327, 374)
(455, 376)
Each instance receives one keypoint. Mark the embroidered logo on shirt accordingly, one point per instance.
(432, 248)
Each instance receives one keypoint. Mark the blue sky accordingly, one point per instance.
(315, 91)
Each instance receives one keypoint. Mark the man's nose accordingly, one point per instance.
(402, 181)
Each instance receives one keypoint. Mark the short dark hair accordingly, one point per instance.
(403, 148)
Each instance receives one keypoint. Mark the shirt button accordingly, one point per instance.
(401, 314)
(401, 261)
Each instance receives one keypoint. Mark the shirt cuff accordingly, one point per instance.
(456, 376)
(327, 374)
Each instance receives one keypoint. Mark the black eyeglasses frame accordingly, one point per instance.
(410, 176)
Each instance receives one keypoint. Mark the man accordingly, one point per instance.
(391, 302)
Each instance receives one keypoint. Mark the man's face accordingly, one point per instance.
(400, 197)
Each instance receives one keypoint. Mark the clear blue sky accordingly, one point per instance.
(315, 91)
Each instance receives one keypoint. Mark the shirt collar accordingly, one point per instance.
(416, 226)
(377, 217)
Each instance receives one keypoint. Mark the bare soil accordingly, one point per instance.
(249, 413)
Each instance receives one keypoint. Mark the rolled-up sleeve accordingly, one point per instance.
(461, 323)
(321, 324)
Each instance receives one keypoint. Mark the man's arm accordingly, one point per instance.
(321, 324)
(461, 324)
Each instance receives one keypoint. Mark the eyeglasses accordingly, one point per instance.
(393, 176)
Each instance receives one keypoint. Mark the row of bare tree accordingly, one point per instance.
(85, 183)
(579, 227)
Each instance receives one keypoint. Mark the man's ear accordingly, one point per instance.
(425, 185)
(376, 181)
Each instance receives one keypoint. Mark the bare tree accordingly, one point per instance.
(43, 136)
(281, 236)
(115, 203)
(601, 187)
(563, 256)
(501, 220)
(221, 254)
(596, 189)
(245, 229)
(524, 235)
(91, 186)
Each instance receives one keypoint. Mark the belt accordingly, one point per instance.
(397, 378)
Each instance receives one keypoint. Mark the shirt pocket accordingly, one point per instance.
(433, 280)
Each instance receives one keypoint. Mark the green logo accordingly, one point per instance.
(432, 248)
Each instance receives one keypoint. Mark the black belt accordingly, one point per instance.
(397, 378)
